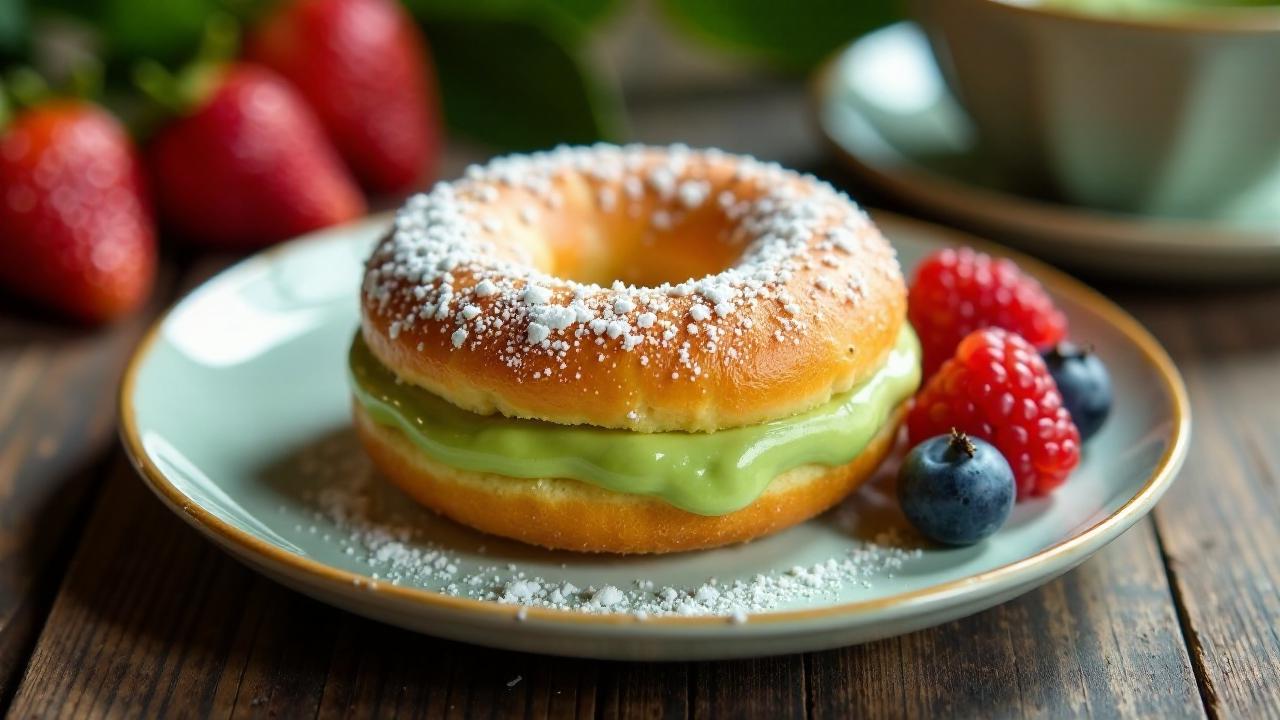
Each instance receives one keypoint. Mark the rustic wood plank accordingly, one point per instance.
(145, 623)
(155, 621)
(1102, 641)
(1218, 525)
(757, 688)
(632, 691)
(57, 420)
(381, 671)
(152, 620)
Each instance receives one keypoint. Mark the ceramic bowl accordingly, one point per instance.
(1169, 114)
(887, 115)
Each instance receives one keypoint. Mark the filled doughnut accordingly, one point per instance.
(631, 349)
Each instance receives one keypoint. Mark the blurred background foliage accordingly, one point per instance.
(514, 74)
(793, 36)
(13, 28)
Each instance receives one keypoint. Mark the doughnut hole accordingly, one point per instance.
(644, 241)
(823, 318)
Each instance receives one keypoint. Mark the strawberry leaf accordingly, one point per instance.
(520, 84)
(791, 35)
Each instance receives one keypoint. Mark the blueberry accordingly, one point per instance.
(956, 490)
(1084, 383)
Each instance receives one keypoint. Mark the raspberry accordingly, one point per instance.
(998, 388)
(957, 291)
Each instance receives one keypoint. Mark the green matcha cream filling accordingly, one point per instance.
(705, 473)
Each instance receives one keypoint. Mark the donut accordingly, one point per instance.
(631, 349)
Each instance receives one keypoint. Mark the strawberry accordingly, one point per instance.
(363, 66)
(250, 165)
(957, 291)
(76, 231)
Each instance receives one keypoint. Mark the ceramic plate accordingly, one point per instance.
(235, 410)
(884, 107)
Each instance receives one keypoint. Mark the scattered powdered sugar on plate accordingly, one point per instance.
(346, 494)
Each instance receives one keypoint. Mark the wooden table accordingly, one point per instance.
(110, 605)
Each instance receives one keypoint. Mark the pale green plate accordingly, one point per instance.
(235, 410)
(885, 109)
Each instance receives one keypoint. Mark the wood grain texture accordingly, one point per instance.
(1218, 524)
(1102, 641)
(57, 419)
(755, 688)
(148, 621)
(153, 620)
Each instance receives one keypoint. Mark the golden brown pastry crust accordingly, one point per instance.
(826, 320)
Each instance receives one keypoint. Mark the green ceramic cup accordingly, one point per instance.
(1171, 113)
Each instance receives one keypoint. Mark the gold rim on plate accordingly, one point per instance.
(1057, 282)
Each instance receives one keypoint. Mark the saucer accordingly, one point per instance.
(884, 107)
(237, 413)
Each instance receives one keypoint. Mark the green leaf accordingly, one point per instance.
(5, 111)
(13, 28)
(582, 13)
(792, 35)
(164, 30)
(26, 87)
(586, 12)
(519, 84)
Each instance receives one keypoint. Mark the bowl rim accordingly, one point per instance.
(1061, 555)
(953, 200)
(1232, 20)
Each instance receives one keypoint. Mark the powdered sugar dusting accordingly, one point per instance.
(448, 266)
(370, 526)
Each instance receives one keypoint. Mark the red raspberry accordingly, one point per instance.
(998, 388)
(957, 291)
